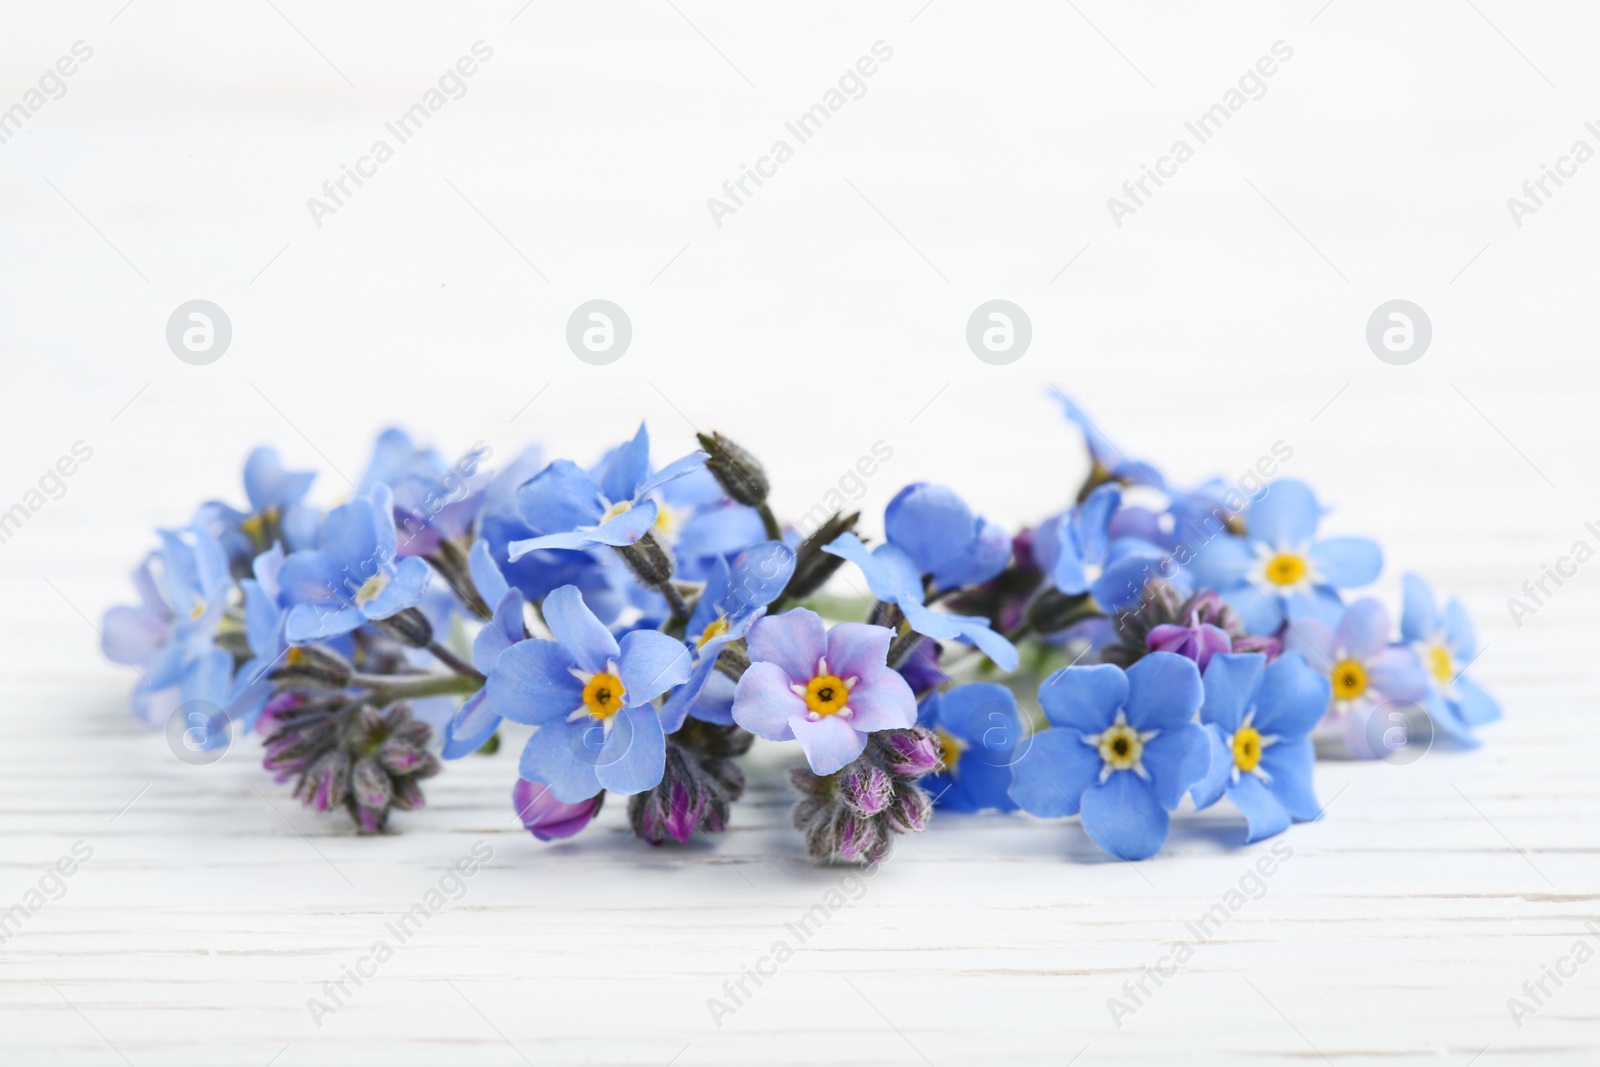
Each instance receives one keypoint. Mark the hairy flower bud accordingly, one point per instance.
(409, 627)
(649, 562)
(1053, 611)
(314, 666)
(910, 810)
(907, 753)
(364, 759)
(738, 472)
(812, 566)
(865, 788)
(699, 783)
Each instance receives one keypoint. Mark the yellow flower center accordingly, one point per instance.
(295, 656)
(1247, 748)
(1349, 680)
(371, 588)
(950, 748)
(714, 629)
(1120, 746)
(1286, 568)
(1442, 666)
(826, 694)
(198, 610)
(602, 695)
(669, 520)
(614, 510)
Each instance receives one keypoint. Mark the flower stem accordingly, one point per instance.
(386, 689)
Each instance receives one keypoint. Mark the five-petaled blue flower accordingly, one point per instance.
(1278, 571)
(1259, 719)
(1123, 752)
(735, 597)
(570, 509)
(1372, 682)
(894, 578)
(476, 720)
(352, 576)
(590, 697)
(979, 730)
(1446, 645)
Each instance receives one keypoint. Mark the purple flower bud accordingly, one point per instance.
(547, 818)
(910, 810)
(858, 837)
(1198, 641)
(865, 787)
(370, 785)
(1271, 647)
(908, 753)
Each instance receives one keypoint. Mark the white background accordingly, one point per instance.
(828, 313)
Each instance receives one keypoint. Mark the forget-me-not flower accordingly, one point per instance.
(1446, 644)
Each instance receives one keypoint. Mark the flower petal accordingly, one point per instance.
(531, 683)
(486, 577)
(857, 649)
(881, 701)
(651, 663)
(1177, 760)
(793, 641)
(560, 498)
(624, 470)
(562, 755)
(1419, 619)
(1084, 698)
(1231, 681)
(1122, 817)
(1208, 790)
(579, 632)
(545, 817)
(1292, 699)
(829, 743)
(1264, 816)
(474, 724)
(1289, 763)
(1477, 706)
(1397, 674)
(1164, 692)
(1347, 562)
(1285, 516)
(1051, 773)
(764, 704)
(405, 590)
(635, 752)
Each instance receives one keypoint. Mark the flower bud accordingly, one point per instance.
(812, 566)
(649, 562)
(858, 838)
(907, 753)
(1053, 611)
(409, 627)
(910, 810)
(314, 666)
(738, 472)
(547, 818)
(865, 788)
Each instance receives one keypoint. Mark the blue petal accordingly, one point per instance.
(1084, 698)
(1133, 563)
(316, 622)
(504, 630)
(1222, 562)
(793, 642)
(1347, 562)
(1231, 681)
(263, 620)
(1122, 816)
(486, 577)
(635, 753)
(1208, 790)
(1164, 692)
(349, 538)
(651, 663)
(930, 523)
(986, 557)
(384, 535)
(560, 498)
(1446, 717)
(312, 577)
(1285, 516)
(1293, 697)
(720, 531)
(1419, 619)
(580, 633)
(976, 786)
(972, 629)
(473, 725)
(1289, 764)
(269, 485)
(1049, 778)
(1459, 633)
(405, 590)
(1364, 630)
(1264, 816)
(625, 469)
(1091, 521)
(984, 715)
(890, 572)
(1177, 760)
(759, 575)
(829, 743)
(531, 683)
(1477, 706)
(671, 472)
(563, 756)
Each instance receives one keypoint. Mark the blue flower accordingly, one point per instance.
(944, 538)
(183, 592)
(735, 596)
(352, 576)
(978, 728)
(570, 509)
(1123, 752)
(276, 509)
(894, 578)
(1279, 571)
(1259, 719)
(1368, 675)
(1079, 554)
(1446, 645)
(590, 697)
(700, 523)
(477, 720)
(434, 499)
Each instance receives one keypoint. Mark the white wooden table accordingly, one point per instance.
(827, 314)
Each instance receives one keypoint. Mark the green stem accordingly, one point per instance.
(386, 689)
(770, 521)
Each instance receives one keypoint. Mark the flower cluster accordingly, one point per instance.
(1143, 648)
